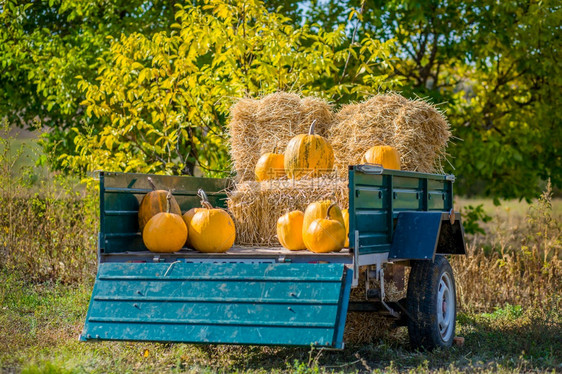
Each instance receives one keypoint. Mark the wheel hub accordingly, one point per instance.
(445, 307)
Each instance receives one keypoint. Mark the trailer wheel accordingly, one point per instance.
(432, 305)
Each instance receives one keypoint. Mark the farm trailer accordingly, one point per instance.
(270, 295)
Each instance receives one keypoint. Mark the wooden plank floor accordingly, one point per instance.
(236, 252)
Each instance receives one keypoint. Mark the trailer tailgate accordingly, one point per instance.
(227, 303)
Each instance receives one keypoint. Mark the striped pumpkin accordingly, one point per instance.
(308, 155)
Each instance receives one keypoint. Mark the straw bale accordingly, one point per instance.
(414, 127)
(244, 139)
(256, 206)
(259, 126)
(315, 109)
(421, 136)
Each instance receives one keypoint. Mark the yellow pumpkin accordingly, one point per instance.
(187, 216)
(211, 230)
(345, 214)
(308, 155)
(319, 209)
(153, 203)
(384, 155)
(270, 166)
(289, 230)
(165, 232)
(325, 234)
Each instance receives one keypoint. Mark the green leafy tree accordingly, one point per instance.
(507, 114)
(44, 45)
(494, 68)
(163, 101)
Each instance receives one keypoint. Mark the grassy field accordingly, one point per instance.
(40, 323)
(509, 292)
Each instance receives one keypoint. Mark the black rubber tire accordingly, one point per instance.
(423, 289)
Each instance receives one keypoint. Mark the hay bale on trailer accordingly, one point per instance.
(260, 126)
(244, 139)
(415, 128)
(256, 206)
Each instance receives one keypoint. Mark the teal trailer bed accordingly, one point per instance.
(260, 295)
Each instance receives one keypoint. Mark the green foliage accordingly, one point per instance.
(44, 45)
(302, 368)
(495, 68)
(509, 311)
(471, 218)
(163, 101)
(506, 118)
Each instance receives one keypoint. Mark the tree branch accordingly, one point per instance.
(352, 41)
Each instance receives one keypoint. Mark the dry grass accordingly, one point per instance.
(516, 276)
(47, 227)
(260, 126)
(256, 206)
(415, 128)
(48, 237)
(518, 261)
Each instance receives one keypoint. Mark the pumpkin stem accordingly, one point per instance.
(204, 200)
(328, 211)
(311, 130)
(168, 199)
(152, 184)
(277, 147)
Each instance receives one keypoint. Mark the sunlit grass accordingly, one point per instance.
(514, 209)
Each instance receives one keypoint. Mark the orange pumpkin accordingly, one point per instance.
(211, 230)
(384, 155)
(319, 209)
(165, 232)
(187, 216)
(325, 234)
(155, 202)
(289, 230)
(270, 166)
(308, 155)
